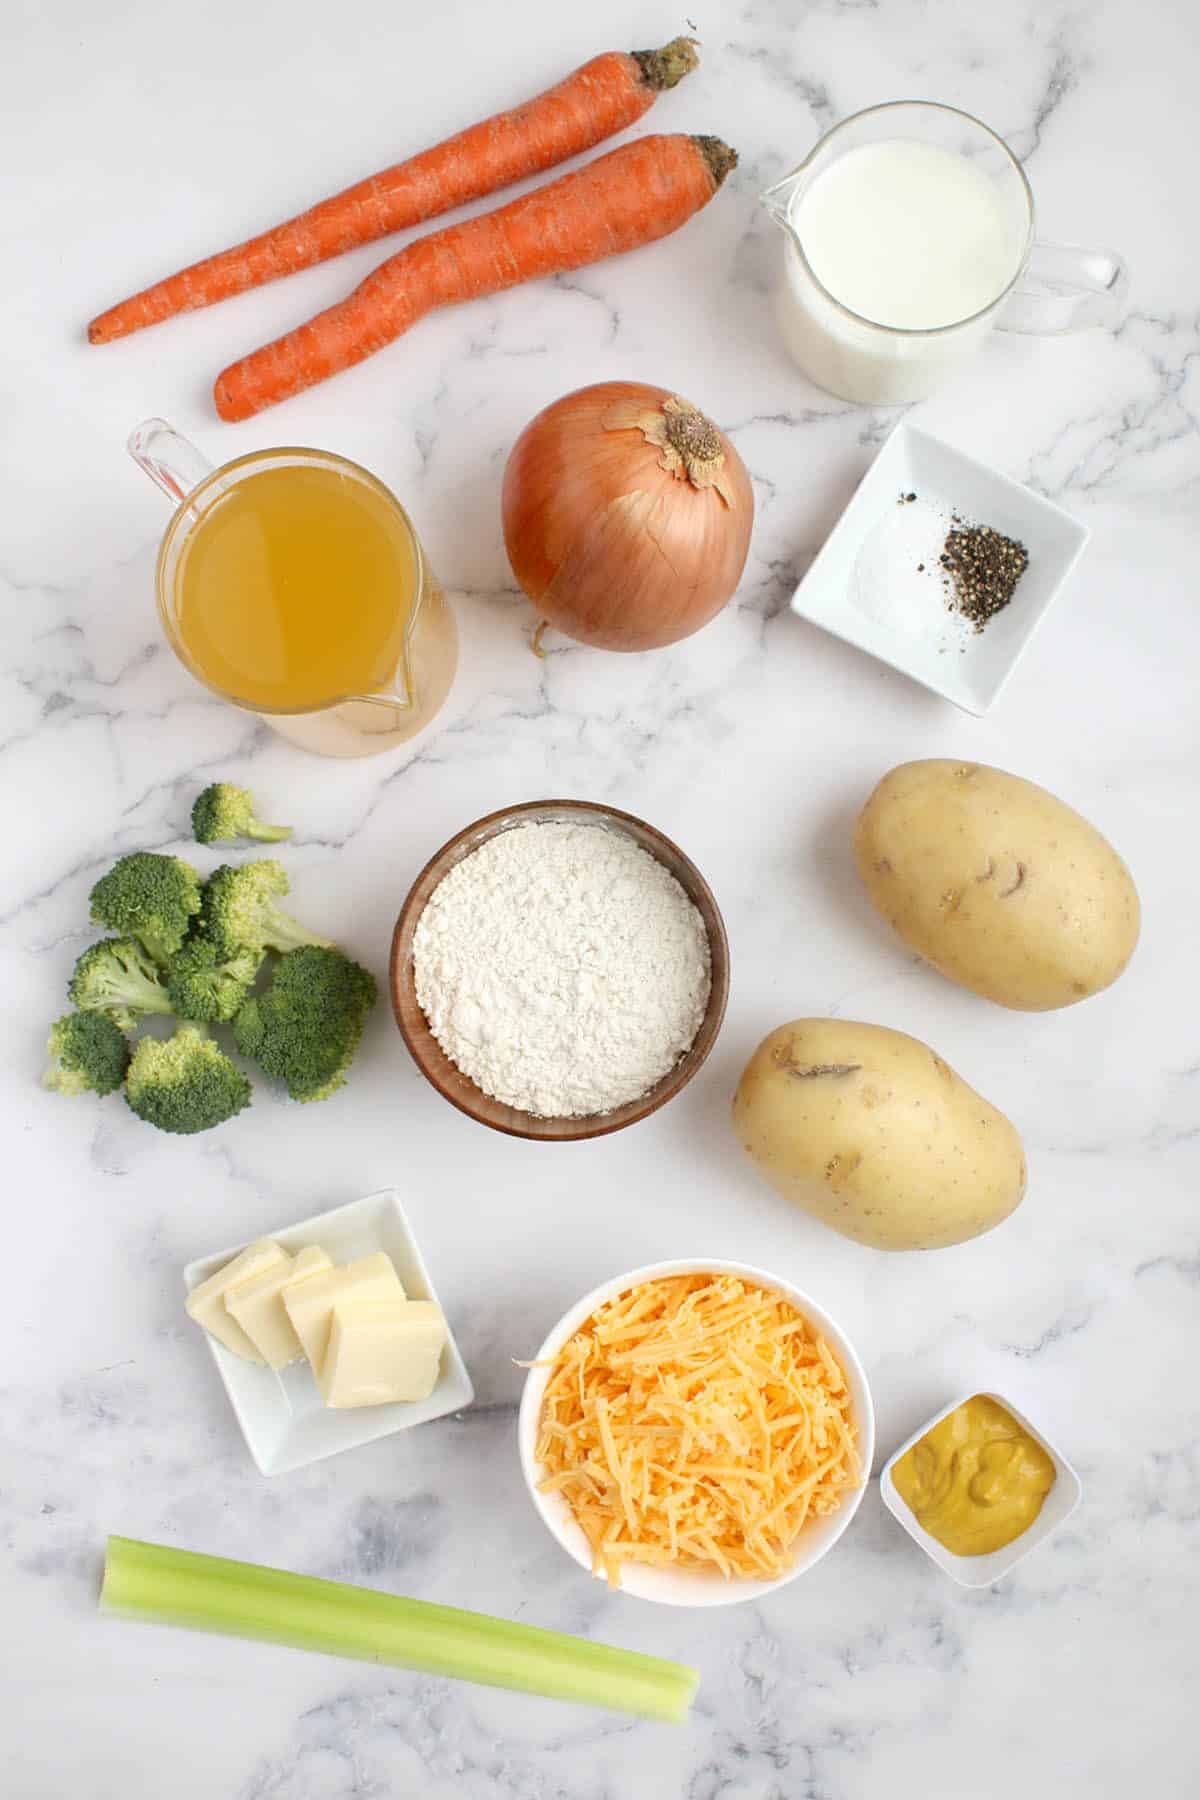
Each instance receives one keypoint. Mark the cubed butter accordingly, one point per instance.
(309, 1306)
(312, 1260)
(380, 1351)
(258, 1307)
(206, 1303)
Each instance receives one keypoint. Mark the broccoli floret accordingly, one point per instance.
(305, 1029)
(201, 986)
(240, 913)
(223, 813)
(185, 1084)
(117, 977)
(152, 898)
(87, 1053)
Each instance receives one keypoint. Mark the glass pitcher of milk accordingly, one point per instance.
(910, 234)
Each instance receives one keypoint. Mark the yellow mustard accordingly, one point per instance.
(977, 1480)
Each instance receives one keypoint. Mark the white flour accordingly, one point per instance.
(562, 968)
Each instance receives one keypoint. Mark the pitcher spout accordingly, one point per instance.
(773, 201)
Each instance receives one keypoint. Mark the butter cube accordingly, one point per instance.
(309, 1306)
(380, 1351)
(312, 1260)
(258, 1308)
(206, 1303)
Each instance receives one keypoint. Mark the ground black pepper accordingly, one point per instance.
(982, 568)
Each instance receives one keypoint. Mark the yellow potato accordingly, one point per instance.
(875, 1135)
(996, 883)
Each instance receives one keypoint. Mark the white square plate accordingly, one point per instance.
(280, 1413)
(865, 585)
(981, 1571)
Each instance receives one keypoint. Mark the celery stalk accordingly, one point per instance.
(211, 1593)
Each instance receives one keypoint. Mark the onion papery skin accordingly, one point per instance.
(613, 549)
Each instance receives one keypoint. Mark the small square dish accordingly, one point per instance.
(280, 1413)
(877, 581)
(982, 1571)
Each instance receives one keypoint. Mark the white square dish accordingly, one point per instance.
(280, 1413)
(982, 1571)
(868, 587)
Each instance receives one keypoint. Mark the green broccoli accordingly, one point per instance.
(201, 986)
(88, 1053)
(117, 977)
(152, 898)
(223, 813)
(305, 1029)
(184, 1084)
(240, 913)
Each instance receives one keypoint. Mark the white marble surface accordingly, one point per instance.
(139, 136)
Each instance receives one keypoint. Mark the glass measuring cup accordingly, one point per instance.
(338, 724)
(1050, 289)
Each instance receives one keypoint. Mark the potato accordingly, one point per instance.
(997, 884)
(872, 1133)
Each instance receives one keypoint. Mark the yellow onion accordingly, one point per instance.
(627, 516)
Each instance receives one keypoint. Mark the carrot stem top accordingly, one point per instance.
(661, 69)
(718, 155)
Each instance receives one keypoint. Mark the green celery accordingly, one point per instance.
(212, 1593)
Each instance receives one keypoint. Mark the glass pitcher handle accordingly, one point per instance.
(169, 460)
(1066, 289)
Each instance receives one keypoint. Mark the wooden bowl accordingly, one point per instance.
(448, 1078)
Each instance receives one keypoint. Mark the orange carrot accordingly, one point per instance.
(628, 197)
(604, 96)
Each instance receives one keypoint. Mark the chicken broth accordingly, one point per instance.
(296, 588)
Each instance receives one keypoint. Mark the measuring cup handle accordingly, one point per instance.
(169, 460)
(1065, 288)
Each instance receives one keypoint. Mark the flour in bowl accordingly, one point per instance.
(562, 968)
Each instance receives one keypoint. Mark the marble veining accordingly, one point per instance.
(139, 137)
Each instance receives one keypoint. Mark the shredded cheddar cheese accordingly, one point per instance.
(697, 1421)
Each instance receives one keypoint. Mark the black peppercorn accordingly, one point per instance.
(984, 568)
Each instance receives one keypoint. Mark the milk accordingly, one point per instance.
(913, 239)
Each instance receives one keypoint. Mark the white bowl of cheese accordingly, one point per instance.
(688, 1582)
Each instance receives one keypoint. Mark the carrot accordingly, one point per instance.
(629, 197)
(604, 96)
